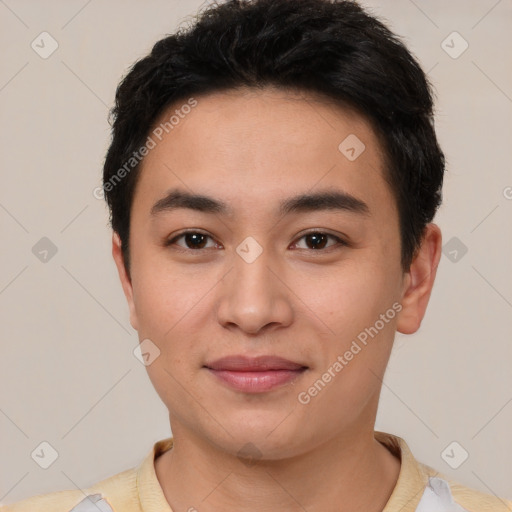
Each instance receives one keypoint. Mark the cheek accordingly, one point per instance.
(360, 308)
(163, 297)
(170, 306)
(167, 319)
(352, 297)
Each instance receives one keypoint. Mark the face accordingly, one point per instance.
(273, 299)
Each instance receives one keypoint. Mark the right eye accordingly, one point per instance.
(194, 240)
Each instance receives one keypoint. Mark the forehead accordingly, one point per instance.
(246, 145)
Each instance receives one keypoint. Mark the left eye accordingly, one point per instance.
(195, 240)
(318, 240)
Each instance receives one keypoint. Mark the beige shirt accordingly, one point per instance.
(138, 490)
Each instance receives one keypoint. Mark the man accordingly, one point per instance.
(272, 179)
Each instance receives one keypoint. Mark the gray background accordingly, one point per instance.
(68, 373)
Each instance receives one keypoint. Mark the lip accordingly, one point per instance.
(255, 374)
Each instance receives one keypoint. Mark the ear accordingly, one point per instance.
(419, 280)
(123, 276)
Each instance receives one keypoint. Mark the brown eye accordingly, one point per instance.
(193, 240)
(318, 241)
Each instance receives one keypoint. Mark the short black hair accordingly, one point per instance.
(331, 48)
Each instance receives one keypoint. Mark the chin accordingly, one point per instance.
(259, 436)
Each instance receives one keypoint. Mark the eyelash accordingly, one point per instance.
(340, 241)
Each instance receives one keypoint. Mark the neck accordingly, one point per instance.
(354, 471)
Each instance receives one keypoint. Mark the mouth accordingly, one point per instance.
(255, 374)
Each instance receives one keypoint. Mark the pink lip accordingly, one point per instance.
(255, 374)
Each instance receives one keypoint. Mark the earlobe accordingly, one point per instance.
(419, 281)
(123, 276)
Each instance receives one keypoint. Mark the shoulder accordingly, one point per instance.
(60, 501)
(469, 499)
(476, 501)
(118, 491)
(440, 492)
(122, 492)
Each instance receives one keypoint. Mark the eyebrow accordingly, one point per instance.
(322, 200)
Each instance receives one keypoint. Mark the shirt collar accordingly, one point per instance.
(412, 479)
(150, 492)
(405, 497)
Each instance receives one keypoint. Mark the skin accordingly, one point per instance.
(295, 301)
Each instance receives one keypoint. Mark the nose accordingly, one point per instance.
(254, 296)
